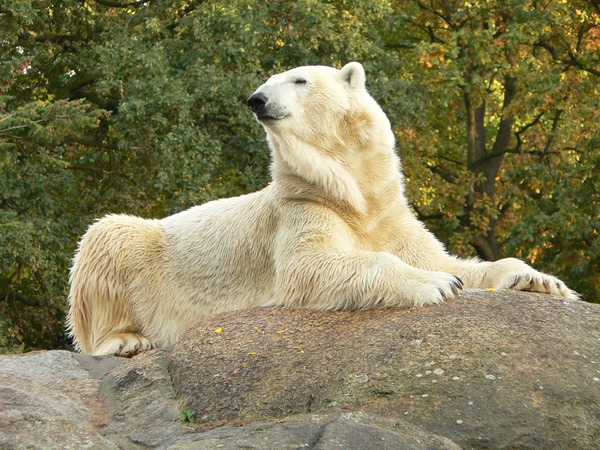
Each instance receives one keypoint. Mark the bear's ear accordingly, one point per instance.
(354, 74)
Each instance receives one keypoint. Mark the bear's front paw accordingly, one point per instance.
(439, 287)
(534, 281)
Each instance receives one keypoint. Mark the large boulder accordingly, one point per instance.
(490, 369)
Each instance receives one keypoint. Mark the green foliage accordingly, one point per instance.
(508, 131)
(139, 107)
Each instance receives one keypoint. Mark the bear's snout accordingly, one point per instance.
(265, 110)
(257, 103)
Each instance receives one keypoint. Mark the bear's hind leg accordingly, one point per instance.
(125, 344)
(113, 253)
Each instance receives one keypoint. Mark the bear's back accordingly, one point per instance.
(224, 249)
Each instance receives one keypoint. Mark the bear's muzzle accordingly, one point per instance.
(266, 110)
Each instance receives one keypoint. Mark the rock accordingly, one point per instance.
(58, 399)
(489, 370)
(333, 430)
(48, 400)
(139, 395)
(503, 369)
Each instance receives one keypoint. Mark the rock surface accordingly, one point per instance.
(489, 370)
(62, 400)
(48, 400)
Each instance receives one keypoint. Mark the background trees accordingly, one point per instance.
(510, 138)
(138, 107)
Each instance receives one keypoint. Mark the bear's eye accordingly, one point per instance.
(300, 81)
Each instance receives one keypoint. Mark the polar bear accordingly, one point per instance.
(332, 231)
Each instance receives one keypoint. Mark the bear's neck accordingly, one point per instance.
(353, 179)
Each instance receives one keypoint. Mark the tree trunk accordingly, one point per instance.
(486, 165)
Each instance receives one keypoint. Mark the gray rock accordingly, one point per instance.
(48, 400)
(57, 399)
(334, 430)
(502, 369)
(489, 370)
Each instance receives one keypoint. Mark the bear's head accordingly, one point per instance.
(320, 106)
(324, 127)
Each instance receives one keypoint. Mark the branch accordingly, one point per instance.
(188, 9)
(572, 61)
(59, 39)
(450, 160)
(575, 62)
(547, 47)
(435, 13)
(16, 296)
(581, 34)
(122, 5)
(517, 147)
(400, 45)
(552, 131)
(443, 173)
(475, 123)
(426, 29)
(17, 127)
(505, 128)
(8, 117)
(422, 216)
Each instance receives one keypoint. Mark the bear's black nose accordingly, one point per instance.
(257, 102)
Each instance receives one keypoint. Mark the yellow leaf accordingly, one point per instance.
(281, 331)
(491, 290)
(218, 330)
(252, 353)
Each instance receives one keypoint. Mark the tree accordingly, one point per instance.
(139, 107)
(512, 95)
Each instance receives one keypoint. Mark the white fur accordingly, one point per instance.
(332, 231)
